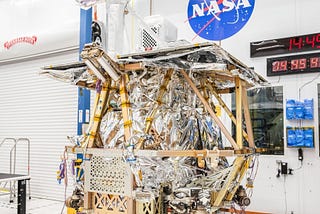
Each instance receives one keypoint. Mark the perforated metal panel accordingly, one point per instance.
(148, 42)
(108, 176)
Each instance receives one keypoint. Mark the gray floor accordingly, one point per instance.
(34, 206)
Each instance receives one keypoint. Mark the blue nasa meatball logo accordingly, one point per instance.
(218, 19)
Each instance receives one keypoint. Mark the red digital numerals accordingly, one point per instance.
(298, 64)
(315, 62)
(312, 41)
(295, 43)
(278, 66)
(294, 64)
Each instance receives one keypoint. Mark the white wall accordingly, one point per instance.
(42, 110)
(34, 106)
(272, 19)
(276, 19)
(54, 23)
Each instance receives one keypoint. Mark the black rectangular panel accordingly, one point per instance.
(22, 196)
(295, 44)
(294, 64)
(284, 168)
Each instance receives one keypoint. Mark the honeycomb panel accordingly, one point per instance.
(108, 176)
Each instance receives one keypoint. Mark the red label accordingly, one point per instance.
(26, 39)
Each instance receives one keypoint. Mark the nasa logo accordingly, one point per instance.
(218, 19)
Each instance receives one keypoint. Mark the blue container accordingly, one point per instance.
(308, 109)
(290, 109)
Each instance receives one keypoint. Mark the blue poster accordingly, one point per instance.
(218, 19)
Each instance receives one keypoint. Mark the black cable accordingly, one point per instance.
(301, 164)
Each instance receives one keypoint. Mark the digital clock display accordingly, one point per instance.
(294, 44)
(307, 63)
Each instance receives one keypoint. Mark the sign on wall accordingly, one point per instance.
(294, 64)
(216, 20)
(24, 39)
(293, 44)
(27, 35)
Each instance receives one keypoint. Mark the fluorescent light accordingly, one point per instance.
(112, 73)
(95, 70)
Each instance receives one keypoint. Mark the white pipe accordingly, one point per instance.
(38, 55)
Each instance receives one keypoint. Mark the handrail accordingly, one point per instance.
(12, 168)
(13, 160)
(28, 141)
(4, 140)
(13, 148)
